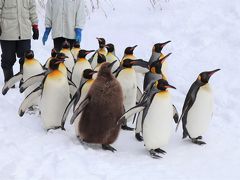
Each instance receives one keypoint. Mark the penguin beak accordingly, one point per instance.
(93, 72)
(59, 61)
(165, 43)
(111, 64)
(132, 48)
(210, 73)
(164, 58)
(88, 52)
(170, 86)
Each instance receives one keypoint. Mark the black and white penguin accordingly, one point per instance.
(54, 97)
(128, 53)
(98, 122)
(111, 56)
(69, 62)
(75, 50)
(157, 117)
(81, 93)
(53, 55)
(127, 77)
(198, 108)
(101, 50)
(80, 65)
(31, 67)
(155, 72)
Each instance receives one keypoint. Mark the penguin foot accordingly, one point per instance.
(54, 128)
(154, 154)
(158, 150)
(125, 127)
(139, 137)
(108, 147)
(196, 141)
(199, 137)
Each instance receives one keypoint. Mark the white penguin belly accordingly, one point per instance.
(69, 62)
(128, 81)
(111, 58)
(84, 92)
(200, 114)
(29, 70)
(78, 71)
(55, 98)
(157, 126)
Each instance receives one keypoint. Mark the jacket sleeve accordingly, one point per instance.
(80, 15)
(48, 15)
(33, 12)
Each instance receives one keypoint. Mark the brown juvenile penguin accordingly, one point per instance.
(101, 110)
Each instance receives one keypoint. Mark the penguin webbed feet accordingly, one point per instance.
(196, 141)
(127, 128)
(54, 128)
(108, 147)
(154, 154)
(138, 137)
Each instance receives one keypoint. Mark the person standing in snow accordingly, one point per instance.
(66, 19)
(17, 19)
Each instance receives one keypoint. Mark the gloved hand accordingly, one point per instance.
(46, 33)
(35, 31)
(78, 36)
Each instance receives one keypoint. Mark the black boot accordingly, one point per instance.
(8, 74)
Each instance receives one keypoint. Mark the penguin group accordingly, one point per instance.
(101, 95)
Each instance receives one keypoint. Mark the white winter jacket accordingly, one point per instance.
(17, 18)
(64, 16)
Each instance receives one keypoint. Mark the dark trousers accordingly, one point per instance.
(59, 41)
(12, 48)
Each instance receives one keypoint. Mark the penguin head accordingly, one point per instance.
(88, 73)
(156, 66)
(76, 45)
(66, 45)
(101, 42)
(110, 47)
(61, 56)
(54, 63)
(53, 52)
(106, 69)
(159, 46)
(162, 85)
(101, 58)
(129, 50)
(204, 77)
(83, 53)
(29, 54)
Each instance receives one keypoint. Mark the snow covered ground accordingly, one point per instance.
(205, 35)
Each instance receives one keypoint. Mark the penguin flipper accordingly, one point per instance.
(67, 109)
(69, 74)
(11, 82)
(32, 80)
(81, 107)
(139, 94)
(175, 114)
(136, 109)
(29, 100)
(141, 66)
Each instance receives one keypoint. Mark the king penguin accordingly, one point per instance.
(101, 50)
(128, 53)
(53, 55)
(101, 109)
(54, 97)
(75, 50)
(31, 67)
(69, 62)
(127, 77)
(198, 108)
(111, 56)
(86, 82)
(155, 72)
(80, 65)
(157, 122)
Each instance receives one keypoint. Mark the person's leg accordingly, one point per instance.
(8, 58)
(58, 43)
(22, 47)
(71, 42)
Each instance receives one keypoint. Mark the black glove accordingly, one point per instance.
(35, 31)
